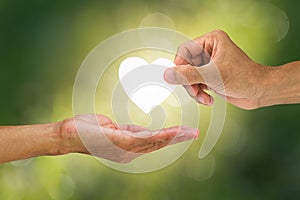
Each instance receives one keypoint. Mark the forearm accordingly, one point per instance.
(21, 142)
(283, 86)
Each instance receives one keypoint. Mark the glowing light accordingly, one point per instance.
(154, 90)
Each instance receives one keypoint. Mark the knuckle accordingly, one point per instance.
(190, 74)
(194, 74)
(180, 71)
(182, 50)
(219, 32)
(180, 74)
(222, 35)
(181, 46)
(216, 35)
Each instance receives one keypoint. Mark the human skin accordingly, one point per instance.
(111, 141)
(213, 62)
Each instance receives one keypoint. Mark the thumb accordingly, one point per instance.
(184, 75)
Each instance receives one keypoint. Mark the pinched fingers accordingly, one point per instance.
(184, 75)
(203, 97)
(191, 52)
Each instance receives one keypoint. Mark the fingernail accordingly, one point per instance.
(169, 76)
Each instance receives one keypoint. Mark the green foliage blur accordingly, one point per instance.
(42, 45)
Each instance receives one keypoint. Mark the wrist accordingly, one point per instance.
(70, 141)
(272, 86)
(54, 138)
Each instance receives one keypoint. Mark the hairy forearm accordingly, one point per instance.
(21, 142)
(283, 86)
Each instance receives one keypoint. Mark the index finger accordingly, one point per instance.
(191, 52)
(180, 59)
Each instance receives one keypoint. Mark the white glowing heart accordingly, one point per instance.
(144, 82)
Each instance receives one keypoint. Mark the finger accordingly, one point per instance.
(138, 134)
(190, 52)
(202, 86)
(145, 141)
(184, 134)
(183, 56)
(165, 137)
(192, 90)
(178, 132)
(149, 147)
(181, 60)
(143, 134)
(204, 98)
(184, 75)
(133, 128)
(168, 134)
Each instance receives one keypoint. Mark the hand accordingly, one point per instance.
(224, 69)
(113, 142)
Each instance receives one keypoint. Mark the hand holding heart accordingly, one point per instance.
(214, 62)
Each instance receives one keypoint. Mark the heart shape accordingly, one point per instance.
(144, 83)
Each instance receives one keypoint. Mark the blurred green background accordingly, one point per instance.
(43, 43)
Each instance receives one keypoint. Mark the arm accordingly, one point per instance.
(87, 132)
(214, 62)
(283, 85)
(20, 142)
